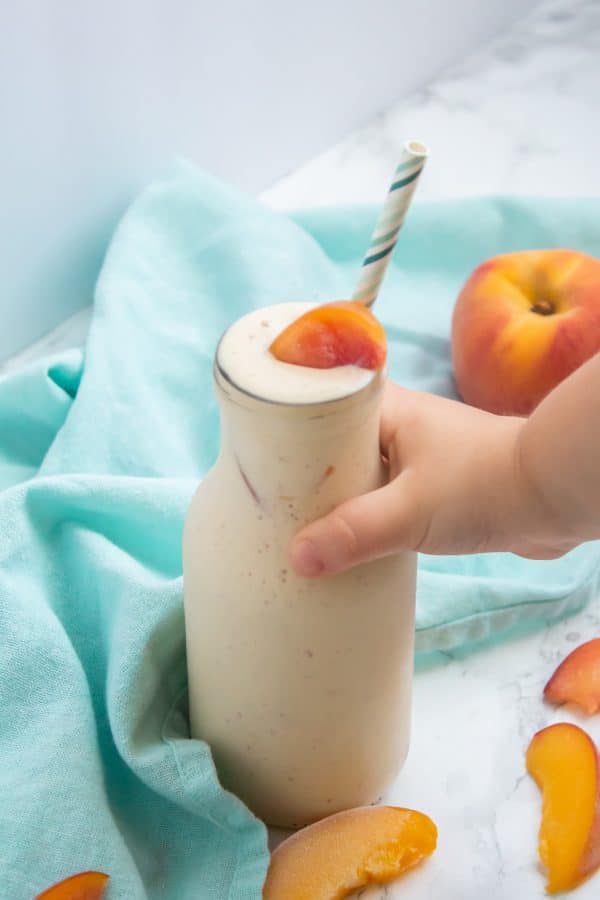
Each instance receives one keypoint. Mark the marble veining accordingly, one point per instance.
(474, 716)
(517, 116)
(520, 116)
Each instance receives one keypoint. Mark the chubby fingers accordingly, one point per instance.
(364, 528)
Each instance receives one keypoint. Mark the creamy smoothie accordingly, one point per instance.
(300, 686)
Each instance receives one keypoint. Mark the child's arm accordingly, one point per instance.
(465, 481)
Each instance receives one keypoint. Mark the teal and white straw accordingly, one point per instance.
(390, 222)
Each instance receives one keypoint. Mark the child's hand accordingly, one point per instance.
(457, 484)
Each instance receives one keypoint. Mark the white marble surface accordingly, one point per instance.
(518, 116)
(473, 719)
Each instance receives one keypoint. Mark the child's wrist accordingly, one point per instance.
(515, 504)
(543, 515)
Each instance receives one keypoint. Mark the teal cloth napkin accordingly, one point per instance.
(98, 460)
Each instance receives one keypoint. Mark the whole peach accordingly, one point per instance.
(522, 323)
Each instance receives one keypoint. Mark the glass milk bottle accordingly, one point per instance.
(301, 686)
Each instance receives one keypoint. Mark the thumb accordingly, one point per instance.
(361, 529)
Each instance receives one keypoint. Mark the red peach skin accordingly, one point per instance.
(522, 323)
(577, 679)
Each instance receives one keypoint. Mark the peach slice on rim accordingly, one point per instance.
(335, 334)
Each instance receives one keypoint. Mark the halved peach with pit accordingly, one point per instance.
(335, 334)
(347, 851)
(563, 761)
(577, 679)
(83, 886)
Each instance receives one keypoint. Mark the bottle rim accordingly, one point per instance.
(238, 393)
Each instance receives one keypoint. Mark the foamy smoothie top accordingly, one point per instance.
(243, 356)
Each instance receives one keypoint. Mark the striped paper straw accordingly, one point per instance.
(390, 222)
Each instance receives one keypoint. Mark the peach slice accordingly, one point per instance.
(335, 334)
(563, 761)
(84, 886)
(346, 851)
(577, 679)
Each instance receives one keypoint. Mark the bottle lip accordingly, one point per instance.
(243, 397)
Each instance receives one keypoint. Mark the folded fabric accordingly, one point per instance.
(98, 460)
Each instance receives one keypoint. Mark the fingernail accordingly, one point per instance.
(305, 558)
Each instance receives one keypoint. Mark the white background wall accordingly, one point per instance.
(97, 98)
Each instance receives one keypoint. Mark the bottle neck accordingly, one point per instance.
(309, 457)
